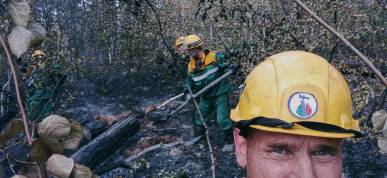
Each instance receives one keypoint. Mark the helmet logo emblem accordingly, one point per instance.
(302, 105)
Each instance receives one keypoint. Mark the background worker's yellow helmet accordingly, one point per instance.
(192, 41)
(38, 54)
(179, 41)
(298, 93)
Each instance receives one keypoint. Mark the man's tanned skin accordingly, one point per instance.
(268, 154)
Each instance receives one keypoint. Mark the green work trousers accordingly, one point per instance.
(220, 103)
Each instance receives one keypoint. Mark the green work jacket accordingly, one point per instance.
(203, 72)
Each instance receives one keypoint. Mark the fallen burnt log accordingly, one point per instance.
(95, 128)
(103, 122)
(105, 144)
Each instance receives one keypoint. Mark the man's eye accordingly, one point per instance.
(322, 152)
(280, 150)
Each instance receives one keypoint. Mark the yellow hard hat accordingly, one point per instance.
(179, 41)
(38, 54)
(298, 93)
(192, 41)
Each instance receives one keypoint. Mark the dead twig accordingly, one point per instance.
(10, 157)
(207, 135)
(193, 141)
(17, 143)
(18, 96)
(345, 41)
(150, 149)
(127, 161)
(39, 170)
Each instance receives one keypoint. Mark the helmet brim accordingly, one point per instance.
(297, 129)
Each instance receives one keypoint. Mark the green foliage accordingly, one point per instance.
(43, 84)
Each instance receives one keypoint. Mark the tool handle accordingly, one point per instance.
(178, 109)
(170, 100)
(206, 88)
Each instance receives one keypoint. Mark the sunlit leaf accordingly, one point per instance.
(20, 11)
(19, 40)
(38, 34)
(382, 144)
(379, 119)
(59, 166)
(81, 171)
(74, 138)
(54, 126)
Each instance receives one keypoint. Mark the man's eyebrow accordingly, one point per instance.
(327, 147)
(278, 144)
(281, 145)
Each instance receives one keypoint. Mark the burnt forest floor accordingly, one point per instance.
(361, 156)
(177, 161)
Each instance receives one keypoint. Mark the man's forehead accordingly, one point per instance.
(265, 137)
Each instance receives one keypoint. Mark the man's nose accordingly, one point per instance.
(304, 168)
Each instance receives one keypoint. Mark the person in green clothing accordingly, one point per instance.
(43, 81)
(204, 67)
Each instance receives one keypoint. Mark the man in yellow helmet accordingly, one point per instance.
(204, 67)
(293, 113)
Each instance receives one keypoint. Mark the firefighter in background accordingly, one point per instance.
(204, 67)
(42, 81)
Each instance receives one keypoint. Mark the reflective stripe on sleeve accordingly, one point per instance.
(205, 75)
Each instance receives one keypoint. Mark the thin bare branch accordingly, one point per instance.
(16, 83)
(207, 135)
(344, 40)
